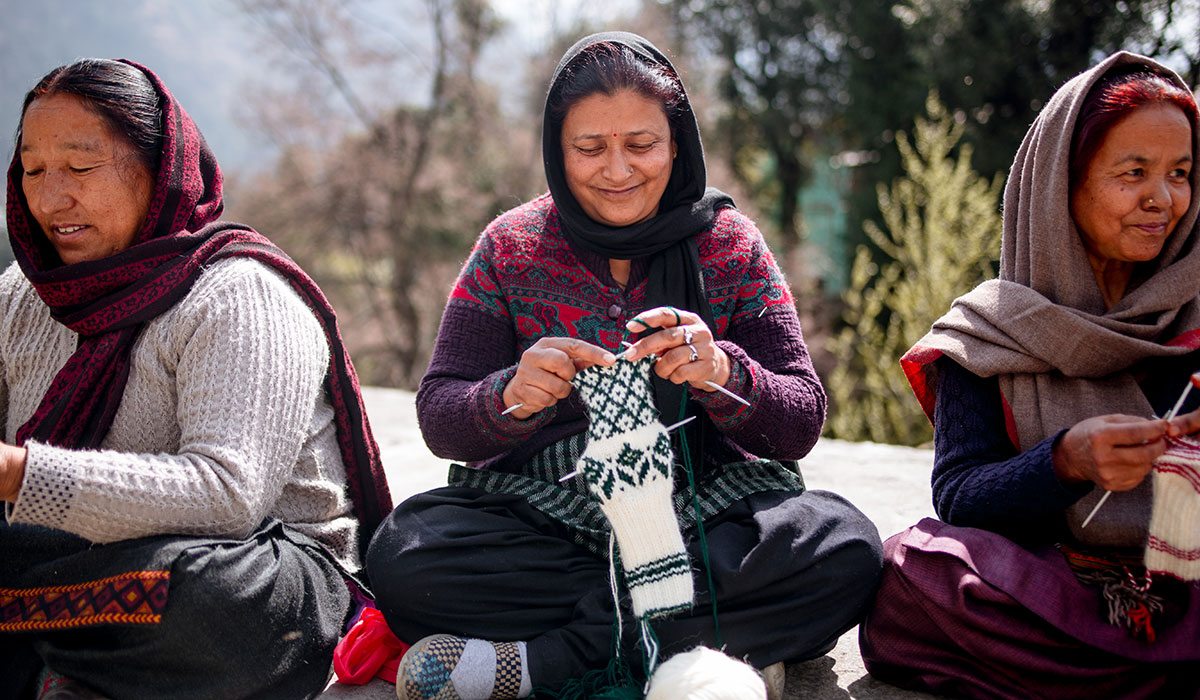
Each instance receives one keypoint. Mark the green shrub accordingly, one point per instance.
(941, 238)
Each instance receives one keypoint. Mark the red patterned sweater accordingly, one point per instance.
(524, 281)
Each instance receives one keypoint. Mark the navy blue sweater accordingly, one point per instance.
(981, 480)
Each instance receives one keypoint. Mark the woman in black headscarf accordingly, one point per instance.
(627, 246)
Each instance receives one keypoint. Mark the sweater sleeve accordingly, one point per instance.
(769, 367)
(979, 478)
(251, 360)
(460, 399)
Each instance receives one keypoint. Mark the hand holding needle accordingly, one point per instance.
(1193, 381)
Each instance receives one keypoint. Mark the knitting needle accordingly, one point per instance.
(669, 428)
(512, 408)
(764, 310)
(727, 392)
(1194, 380)
(718, 387)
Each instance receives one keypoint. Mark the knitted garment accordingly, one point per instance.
(627, 466)
(223, 421)
(524, 282)
(1174, 543)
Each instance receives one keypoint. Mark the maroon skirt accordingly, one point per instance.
(969, 613)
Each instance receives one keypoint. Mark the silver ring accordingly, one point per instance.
(687, 336)
(695, 355)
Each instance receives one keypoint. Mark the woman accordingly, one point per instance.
(1044, 387)
(188, 472)
(627, 241)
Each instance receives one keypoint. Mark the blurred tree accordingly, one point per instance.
(385, 210)
(941, 236)
(783, 81)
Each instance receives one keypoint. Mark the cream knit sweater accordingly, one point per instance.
(224, 419)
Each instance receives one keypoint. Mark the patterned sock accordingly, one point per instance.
(1174, 542)
(627, 465)
(445, 667)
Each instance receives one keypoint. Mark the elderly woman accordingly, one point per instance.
(187, 468)
(1044, 387)
(515, 551)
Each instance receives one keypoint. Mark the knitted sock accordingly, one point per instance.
(1174, 542)
(444, 666)
(627, 465)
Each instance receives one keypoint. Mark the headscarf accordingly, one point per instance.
(686, 208)
(109, 301)
(1042, 327)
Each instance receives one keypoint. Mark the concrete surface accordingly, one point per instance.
(890, 484)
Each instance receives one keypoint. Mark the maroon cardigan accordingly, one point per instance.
(524, 281)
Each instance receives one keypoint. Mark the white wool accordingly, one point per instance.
(705, 674)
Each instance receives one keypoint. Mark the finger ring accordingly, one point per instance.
(674, 311)
(687, 337)
(695, 355)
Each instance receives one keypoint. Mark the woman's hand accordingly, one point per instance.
(686, 349)
(545, 372)
(1114, 452)
(12, 471)
(1186, 424)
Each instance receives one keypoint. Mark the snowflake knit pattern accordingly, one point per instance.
(1174, 542)
(627, 466)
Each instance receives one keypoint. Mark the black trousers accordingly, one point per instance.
(252, 618)
(792, 573)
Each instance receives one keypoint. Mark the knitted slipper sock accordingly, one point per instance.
(445, 667)
(1174, 541)
(627, 466)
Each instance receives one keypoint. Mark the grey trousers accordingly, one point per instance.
(251, 618)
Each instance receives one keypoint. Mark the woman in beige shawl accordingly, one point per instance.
(1044, 387)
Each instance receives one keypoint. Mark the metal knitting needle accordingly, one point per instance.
(764, 310)
(1195, 378)
(727, 392)
(669, 428)
(512, 408)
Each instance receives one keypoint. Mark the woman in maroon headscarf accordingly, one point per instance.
(187, 470)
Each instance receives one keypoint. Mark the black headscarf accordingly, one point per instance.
(668, 237)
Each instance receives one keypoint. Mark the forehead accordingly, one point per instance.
(620, 112)
(1149, 128)
(64, 123)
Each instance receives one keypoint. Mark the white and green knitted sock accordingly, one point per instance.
(627, 465)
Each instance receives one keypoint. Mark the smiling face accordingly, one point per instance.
(617, 154)
(1136, 187)
(85, 185)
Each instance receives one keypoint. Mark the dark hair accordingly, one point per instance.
(608, 68)
(1117, 95)
(119, 93)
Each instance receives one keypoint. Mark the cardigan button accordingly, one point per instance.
(614, 312)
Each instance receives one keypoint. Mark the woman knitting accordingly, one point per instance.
(1048, 388)
(187, 471)
(508, 568)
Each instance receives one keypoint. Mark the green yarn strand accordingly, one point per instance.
(691, 475)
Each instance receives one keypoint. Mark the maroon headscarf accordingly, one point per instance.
(108, 302)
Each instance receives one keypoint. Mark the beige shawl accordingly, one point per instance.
(1042, 326)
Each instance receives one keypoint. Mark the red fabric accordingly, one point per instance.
(369, 650)
(108, 301)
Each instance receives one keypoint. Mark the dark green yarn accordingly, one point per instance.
(687, 467)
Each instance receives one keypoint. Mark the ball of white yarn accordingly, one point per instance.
(705, 674)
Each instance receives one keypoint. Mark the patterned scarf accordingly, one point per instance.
(108, 302)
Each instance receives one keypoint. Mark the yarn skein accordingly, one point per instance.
(705, 674)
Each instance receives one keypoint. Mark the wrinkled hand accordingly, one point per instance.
(1114, 452)
(12, 471)
(675, 357)
(545, 372)
(1186, 424)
